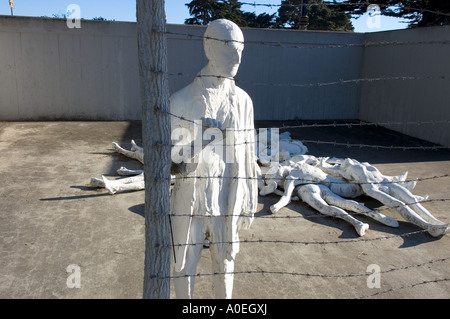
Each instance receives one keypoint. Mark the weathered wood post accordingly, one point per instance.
(156, 134)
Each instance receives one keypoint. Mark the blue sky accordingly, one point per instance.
(176, 11)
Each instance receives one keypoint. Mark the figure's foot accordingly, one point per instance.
(361, 228)
(134, 146)
(123, 171)
(410, 185)
(109, 185)
(115, 146)
(438, 230)
(97, 182)
(274, 209)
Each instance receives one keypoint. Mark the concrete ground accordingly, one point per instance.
(50, 219)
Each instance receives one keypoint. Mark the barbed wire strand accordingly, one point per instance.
(311, 275)
(302, 242)
(303, 45)
(424, 282)
(302, 181)
(276, 216)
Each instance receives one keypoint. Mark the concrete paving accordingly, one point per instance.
(50, 219)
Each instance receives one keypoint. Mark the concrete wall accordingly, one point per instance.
(275, 64)
(424, 98)
(48, 71)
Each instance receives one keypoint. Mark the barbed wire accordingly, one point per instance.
(303, 274)
(299, 242)
(303, 45)
(312, 84)
(276, 216)
(304, 180)
(392, 147)
(424, 282)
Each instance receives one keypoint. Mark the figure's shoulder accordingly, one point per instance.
(241, 93)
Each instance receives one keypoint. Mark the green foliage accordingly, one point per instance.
(321, 17)
(205, 11)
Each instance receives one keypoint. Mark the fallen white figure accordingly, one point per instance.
(390, 193)
(281, 147)
(323, 185)
(321, 191)
(133, 183)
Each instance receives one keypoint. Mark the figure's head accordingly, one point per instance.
(224, 42)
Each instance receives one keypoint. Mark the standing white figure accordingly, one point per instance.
(220, 195)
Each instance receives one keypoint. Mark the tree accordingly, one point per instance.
(262, 20)
(321, 16)
(420, 13)
(152, 52)
(205, 11)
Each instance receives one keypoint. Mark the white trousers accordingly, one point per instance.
(212, 229)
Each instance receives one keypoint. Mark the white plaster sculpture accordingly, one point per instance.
(220, 195)
(133, 183)
(216, 176)
(322, 183)
(321, 191)
(277, 147)
(389, 192)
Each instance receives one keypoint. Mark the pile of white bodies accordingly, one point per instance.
(329, 185)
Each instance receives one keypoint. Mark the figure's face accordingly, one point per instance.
(225, 57)
(224, 43)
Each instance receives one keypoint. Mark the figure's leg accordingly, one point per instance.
(185, 279)
(311, 194)
(406, 212)
(134, 183)
(268, 189)
(222, 262)
(123, 171)
(289, 186)
(351, 205)
(135, 147)
(411, 200)
(131, 154)
(343, 188)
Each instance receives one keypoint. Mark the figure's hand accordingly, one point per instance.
(245, 221)
(211, 123)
